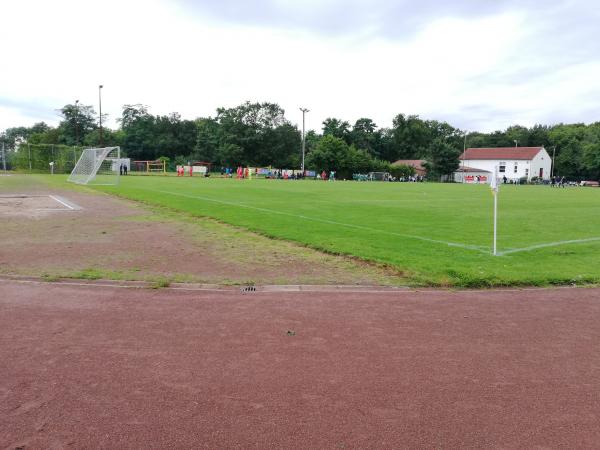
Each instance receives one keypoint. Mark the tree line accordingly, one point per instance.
(258, 134)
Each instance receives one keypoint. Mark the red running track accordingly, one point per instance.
(100, 367)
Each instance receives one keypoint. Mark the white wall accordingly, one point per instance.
(116, 164)
(524, 168)
(541, 161)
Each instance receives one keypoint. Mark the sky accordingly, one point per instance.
(480, 65)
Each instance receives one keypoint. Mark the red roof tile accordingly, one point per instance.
(508, 153)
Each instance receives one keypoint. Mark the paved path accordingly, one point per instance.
(103, 367)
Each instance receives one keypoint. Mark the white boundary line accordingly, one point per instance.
(61, 202)
(477, 248)
(549, 244)
(50, 209)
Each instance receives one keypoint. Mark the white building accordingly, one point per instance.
(513, 163)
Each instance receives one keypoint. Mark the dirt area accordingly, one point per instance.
(32, 206)
(118, 239)
(99, 367)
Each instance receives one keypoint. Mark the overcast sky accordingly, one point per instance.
(478, 64)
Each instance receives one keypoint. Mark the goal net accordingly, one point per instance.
(97, 166)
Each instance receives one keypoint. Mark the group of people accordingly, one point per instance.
(181, 171)
(557, 182)
(505, 180)
(285, 175)
(247, 173)
(410, 179)
(326, 177)
(123, 169)
(241, 172)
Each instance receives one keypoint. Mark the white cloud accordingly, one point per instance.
(475, 72)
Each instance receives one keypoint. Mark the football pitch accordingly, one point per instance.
(433, 234)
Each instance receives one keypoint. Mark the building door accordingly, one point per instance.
(541, 172)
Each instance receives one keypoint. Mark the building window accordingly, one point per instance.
(502, 167)
(527, 172)
(516, 167)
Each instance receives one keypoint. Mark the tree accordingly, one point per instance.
(50, 136)
(591, 159)
(402, 171)
(139, 128)
(146, 137)
(442, 159)
(78, 121)
(312, 140)
(230, 155)
(516, 133)
(110, 138)
(386, 148)
(12, 136)
(568, 140)
(411, 137)
(207, 140)
(591, 151)
(444, 131)
(539, 135)
(356, 161)
(329, 154)
(281, 147)
(337, 128)
(364, 135)
(332, 153)
(250, 127)
(132, 114)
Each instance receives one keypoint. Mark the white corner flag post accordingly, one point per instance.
(495, 188)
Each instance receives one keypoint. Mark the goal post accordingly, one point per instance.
(98, 166)
(158, 166)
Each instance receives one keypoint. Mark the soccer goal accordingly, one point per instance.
(97, 166)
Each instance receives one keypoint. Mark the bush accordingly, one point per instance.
(402, 171)
(40, 156)
(333, 153)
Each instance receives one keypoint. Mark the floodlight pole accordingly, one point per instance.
(553, 153)
(76, 123)
(516, 143)
(3, 158)
(100, 107)
(304, 111)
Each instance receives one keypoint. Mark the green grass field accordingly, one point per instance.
(435, 234)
